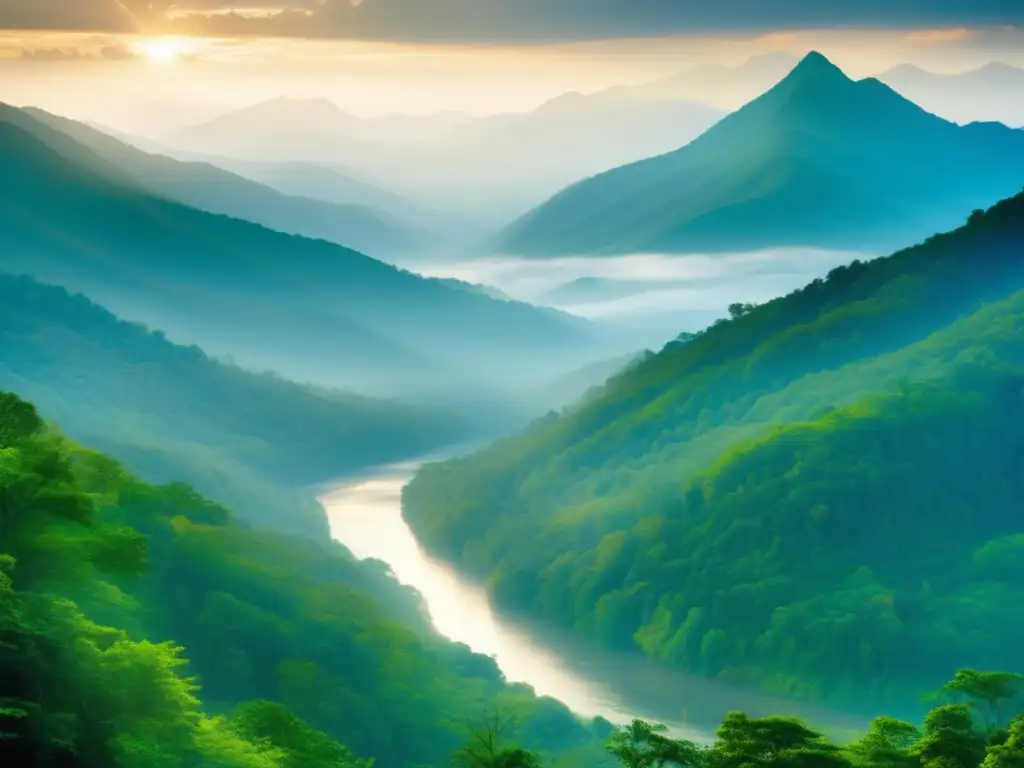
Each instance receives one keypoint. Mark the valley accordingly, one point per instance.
(501, 385)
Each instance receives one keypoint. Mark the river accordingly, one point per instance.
(365, 515)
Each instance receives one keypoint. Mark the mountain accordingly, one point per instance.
(818, 160)
(441, 233)
(722, 86)
(307, 308)
(992, 93)
(147, 626)
(173, 413)
(282, 117)
(487, 169)
(418, 230)
(209, 188)
(820, 497)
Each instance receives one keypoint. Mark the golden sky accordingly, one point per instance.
(143, 83)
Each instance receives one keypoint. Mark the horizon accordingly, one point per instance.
(153, 86)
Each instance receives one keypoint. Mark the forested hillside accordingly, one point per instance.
(142, 627)
(173, 413)
(822, 496)
(308, 309)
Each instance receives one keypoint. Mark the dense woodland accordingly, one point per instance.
(141, 627)
(173, 413)
(822, 497)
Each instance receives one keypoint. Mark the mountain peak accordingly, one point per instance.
(815, 66)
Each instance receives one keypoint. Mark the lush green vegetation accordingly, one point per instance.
(817, 160)
(967, 732)
(172, 413)
(821, 496)
(141, 626)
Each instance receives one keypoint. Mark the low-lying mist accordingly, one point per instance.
(651, 294)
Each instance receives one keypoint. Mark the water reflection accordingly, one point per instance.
(365, 515)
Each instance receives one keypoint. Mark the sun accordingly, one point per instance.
(162, 50)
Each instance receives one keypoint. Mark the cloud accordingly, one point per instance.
(115, 52)
(496, 20)
(99, 15)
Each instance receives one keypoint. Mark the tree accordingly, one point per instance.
(745, 742)
(992, 688)
(886, 745)
(1009, 754)
(739, 309)
(486, 746)
(644, 745)
(950, 739)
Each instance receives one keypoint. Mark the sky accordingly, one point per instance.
(153, 66)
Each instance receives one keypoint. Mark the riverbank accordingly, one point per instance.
(365, 515)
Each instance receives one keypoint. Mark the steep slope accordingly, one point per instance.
(212, 189)
(304, 307)
(172, 413)
(146, 626)
(818, 160)
(820, 497)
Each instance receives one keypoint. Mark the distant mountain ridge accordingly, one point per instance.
(307, 308)
(201, 185)
(174, 414)
(486, 169)
(993, 92)
(818, 160)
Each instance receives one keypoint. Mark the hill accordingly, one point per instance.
(820, 497)
(209, 188)
(487, 169)
(306, 308)
(818, 160)
(992, 93)
(173, 413)
(145, 626)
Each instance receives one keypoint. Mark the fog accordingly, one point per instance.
(662, 293)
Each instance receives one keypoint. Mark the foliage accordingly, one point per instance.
(143, 627)
(173, 413)
(820, 497)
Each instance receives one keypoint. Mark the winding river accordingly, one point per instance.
(365, 515)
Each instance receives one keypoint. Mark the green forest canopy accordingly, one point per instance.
(173, 413)
(822, 497)
(142, 628)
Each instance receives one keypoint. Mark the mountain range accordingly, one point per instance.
(819, 497)
(488, 169)
(172, 413)
(721, 86)
(993, 92)
(818, 160)
(304, 307)
(352, 222)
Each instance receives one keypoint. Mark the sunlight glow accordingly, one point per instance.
(164, 50)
